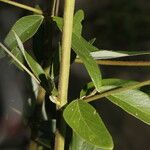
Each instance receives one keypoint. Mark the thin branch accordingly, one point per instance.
(105, 94)
(15, 59)
(119, 63)
(37, 11)
(42, 143)
(53, 8)
(57, 7)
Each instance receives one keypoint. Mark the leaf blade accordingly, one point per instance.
(34, 66)
(134, 102)
(25, 28)
(18, 62)
(107, 85)
(45, 81)
(77, 20)
(111, 54)
(80, 144)
(90, 64)
(81, 48)
(85, 122)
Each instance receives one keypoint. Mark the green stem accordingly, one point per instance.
(33, 145)
(66, 51)
(22, 65)
(38, 11)
(64, 68)
(57, 7)
(53, 8)
(105, 94)
(119, 63)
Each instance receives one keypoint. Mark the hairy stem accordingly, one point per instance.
(119, 63)
(64, 68)
(37, 11)
(105, 94)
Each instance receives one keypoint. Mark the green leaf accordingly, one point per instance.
(16, 52)
(99, 53)
(85, 122)
(34, 66)
(18, 62)
(90, 47)
(77, 27)
(81, 48)
(80, 144)
(135, 102)
(91, 66)
(107, 84)
(117, 82)
(78, 18)
(106, 54)
(25, 28)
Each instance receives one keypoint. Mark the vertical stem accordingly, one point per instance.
(66, 51)
(57, 7)
(53, 8)
(64, 68)
(33, 145)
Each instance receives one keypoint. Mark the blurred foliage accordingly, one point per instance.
(121, 25)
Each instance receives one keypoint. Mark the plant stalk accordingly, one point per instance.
(57, 7)
(66, 51)
(105, 94)
(33, 145)
(53, 8)
(22, 66)
(37, 11)
(64, 68)
(119, 63)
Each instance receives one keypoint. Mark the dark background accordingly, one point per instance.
(116, 24)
